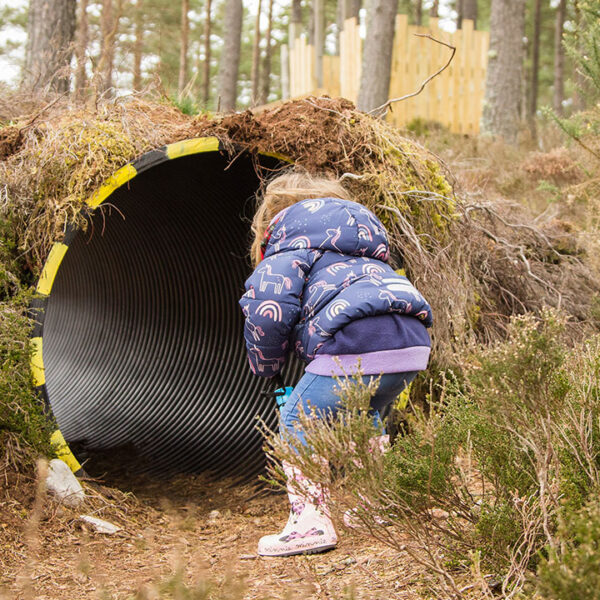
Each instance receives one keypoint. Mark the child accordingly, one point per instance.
(322, 288)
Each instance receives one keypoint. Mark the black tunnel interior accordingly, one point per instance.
(143, 344)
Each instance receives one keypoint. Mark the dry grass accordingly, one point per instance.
(185, 538)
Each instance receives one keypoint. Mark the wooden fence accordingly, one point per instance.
(453, 98)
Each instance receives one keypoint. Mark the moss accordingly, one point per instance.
(21, 411)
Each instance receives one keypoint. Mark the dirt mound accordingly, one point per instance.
(291, 130)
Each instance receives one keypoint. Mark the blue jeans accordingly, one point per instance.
(318, 392)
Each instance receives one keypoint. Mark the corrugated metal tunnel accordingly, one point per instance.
(142, 332)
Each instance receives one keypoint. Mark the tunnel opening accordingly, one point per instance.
(143, 352)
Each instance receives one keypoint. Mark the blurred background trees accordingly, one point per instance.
(226, 54)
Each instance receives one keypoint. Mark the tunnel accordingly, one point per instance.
(138, 347)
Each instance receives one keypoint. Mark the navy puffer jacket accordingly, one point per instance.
(325, 265)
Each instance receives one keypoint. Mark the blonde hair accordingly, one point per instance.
(284, 191)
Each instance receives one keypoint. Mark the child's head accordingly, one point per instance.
(285, 190)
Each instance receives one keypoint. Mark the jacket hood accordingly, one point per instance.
(331, 224)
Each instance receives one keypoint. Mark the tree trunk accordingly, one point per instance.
(50, 31)
(285, 72)
(183, 48)
(419, 13)
(578, 97)
(266, 72)
(340, 16)
(505, 67)
(346, 9)
(535, 68)
(467, 10)
(352, 9)
(295, 22)
(311, 29)
(230, 56)
(206, 78)
(105, 64)
(470, 11)
(319, 25)
(256, 56)
(81, 45)
(435, 9)
(559, 58)
(109, 24)
(138, 45)
(377, 55)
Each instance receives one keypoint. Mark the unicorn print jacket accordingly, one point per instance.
(325, 269)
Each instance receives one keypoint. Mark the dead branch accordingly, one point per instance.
(36, 116)
(383, 107)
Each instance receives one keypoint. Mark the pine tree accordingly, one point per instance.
(230, 55)
(183, 47)
(50, 29)
(266, 71)
(207, 54)
(377, 54)
(467, 9)
(81, 46)
(138, 44)
(256, 56)
(505, 68)
(559, 58)
(535, 68)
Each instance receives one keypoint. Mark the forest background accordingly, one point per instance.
(221, 54)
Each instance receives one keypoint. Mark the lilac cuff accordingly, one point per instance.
(402, 360)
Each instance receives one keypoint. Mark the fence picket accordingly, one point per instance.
(453, 98)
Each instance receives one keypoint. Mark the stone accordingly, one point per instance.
(63, 484)
(99, 525)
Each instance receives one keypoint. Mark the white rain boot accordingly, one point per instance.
(309, 528)
(381, 444)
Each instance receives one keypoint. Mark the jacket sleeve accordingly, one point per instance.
(272, 306)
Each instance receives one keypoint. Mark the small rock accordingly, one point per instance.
(213, 515)
(63, 484)
(345, 563)
(438, 513)
(99, 525)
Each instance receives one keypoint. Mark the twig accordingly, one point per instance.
(536, 231)
(331, 110)
(35, 117)
(389, 102)
(351, 176)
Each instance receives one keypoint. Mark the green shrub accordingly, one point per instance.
(483, 470)
(24, 428)
(572, 570)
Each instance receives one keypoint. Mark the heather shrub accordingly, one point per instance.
(572, 569)
(484, 471)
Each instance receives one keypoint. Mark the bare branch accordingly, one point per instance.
(379, 111)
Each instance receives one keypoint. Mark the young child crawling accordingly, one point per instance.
(322, 288)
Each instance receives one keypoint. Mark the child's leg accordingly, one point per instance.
(312, 392)
(390, 387)
(309, 527)
(318, 392)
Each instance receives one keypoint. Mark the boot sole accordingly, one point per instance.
(303, 551)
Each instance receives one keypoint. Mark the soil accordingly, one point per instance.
(323, 135)
(179, 538)
(11, 139)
